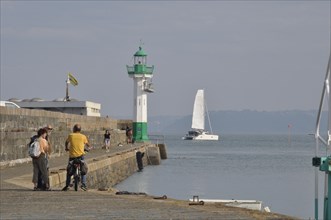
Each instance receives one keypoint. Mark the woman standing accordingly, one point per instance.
(107, 140)
(40, 163)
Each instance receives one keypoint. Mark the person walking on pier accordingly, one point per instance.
(128, 135)
(40, 163)
(107, 140)
(75, 144)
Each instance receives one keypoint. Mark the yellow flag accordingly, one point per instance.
(72, 79)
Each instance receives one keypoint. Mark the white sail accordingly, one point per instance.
(198, 117)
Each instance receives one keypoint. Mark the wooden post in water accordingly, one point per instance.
(289, 134)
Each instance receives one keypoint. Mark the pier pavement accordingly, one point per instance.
(19, 201)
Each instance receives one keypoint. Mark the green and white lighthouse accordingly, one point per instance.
(142, 75)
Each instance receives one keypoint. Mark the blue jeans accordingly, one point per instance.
(83, 177)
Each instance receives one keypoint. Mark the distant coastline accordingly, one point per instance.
(243, 122)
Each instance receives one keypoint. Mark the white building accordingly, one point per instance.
(72, 107)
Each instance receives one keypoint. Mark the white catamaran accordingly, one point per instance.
(198, 120)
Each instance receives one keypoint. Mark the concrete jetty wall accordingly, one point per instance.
(18, 125)
(106, 171)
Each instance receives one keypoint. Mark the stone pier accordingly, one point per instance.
(19, 201)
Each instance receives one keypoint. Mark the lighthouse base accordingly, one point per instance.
(140, 132)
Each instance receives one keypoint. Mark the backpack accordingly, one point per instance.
(34, 149)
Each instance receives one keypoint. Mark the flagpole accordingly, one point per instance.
(67, 99)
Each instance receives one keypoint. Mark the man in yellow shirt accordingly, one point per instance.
(75, 144)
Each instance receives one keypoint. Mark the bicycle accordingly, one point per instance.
(77, 171)
(78, 167)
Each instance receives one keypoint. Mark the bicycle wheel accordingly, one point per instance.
(76, 179)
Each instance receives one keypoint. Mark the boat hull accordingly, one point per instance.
(201, 136)
(206, 137)
(247, 204)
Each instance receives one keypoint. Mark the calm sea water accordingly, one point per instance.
(275, 169)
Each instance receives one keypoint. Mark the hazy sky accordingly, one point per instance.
(258, 55)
